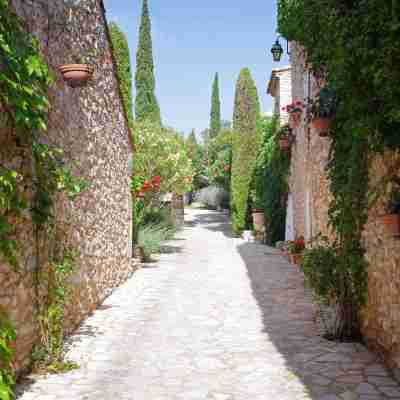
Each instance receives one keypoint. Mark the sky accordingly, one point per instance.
(192, 40)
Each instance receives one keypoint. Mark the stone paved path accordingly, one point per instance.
(218, 319)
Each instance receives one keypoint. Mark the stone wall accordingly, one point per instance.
(381, 316)
(89, 124)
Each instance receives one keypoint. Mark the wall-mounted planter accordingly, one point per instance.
(76, 75)
(392, 224)
(323, 125)
(295, 118)
(284, 143)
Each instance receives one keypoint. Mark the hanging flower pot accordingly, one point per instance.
(284, 143)
(392, 224)
(295, 118)
(76, 75)
(323, 125)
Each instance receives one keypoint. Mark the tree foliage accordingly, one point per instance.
(215, 122)
(124, 72)
(195, 153)
(146, 104)
(161, 152)
(246, 140)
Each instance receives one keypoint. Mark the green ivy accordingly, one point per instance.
(7, 337)
(271, 181)
(24, 83)
(355, 46)
(48, 355)
(122, 57)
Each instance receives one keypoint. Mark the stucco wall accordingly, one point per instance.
(89, 124)
(381, 316)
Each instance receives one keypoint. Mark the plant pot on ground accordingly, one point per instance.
(296, 249)
(391, 220)
(139, 253)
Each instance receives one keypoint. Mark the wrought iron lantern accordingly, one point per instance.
(277, 51)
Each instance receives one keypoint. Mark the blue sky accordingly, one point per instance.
(194, 39)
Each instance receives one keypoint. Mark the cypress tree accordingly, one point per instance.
(124, 72)
(146, 105)
(215, 123)
(246, 143)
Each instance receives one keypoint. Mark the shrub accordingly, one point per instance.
(319, 265)
(157, 216)
(151, 237)
(213, 196)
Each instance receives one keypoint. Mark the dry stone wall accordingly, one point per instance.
(89, 124)
(381, 316)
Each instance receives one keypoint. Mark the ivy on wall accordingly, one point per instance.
(271, 180)
(355, 46)
(122, 58)
(24, 84)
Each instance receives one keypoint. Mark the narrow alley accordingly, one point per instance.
(216, 318)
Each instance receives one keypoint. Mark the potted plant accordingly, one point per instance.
(295, 111)
(285, 137)
(391, 219)
(323, 110)
(296, 249)
(258, 212)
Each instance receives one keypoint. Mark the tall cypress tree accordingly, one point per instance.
(246, 143)
(124, 72)
(146, 105)
(215, 123)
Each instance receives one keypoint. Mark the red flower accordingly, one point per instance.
(156, 180)
(146, 186)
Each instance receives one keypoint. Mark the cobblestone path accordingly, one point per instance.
(216, 319)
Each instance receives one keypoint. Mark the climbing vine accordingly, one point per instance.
(48, 354)
(24, 83)
(270, 180)
(7, 337)
(355, 46)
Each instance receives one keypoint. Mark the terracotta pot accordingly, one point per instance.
(138, 252)
(297, 258)
(322, 124)
(258, 219)
(392, 224)
(284, 143)
(76, 74)
(295, 118)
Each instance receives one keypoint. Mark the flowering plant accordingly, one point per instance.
(297, 246)
(294, 107)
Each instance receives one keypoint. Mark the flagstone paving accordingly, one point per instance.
(218, 319)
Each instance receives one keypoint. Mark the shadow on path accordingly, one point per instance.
(327, 370)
